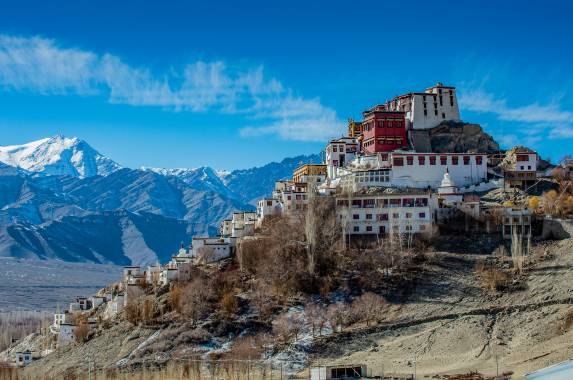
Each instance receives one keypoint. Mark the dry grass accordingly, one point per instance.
(191, 369)
(493, 279)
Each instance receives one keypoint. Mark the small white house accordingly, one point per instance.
(23, 358)
(167, 275)
(130, 271)
(115, 305)
(267, 207)
(208, 250)
(66, 332)
(97, 301)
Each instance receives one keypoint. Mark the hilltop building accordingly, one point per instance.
(338, 153)
(520, 168)
(424, 110)
(383, 131)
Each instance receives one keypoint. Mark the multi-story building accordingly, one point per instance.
(516, 221)
(427, 109)
(243, 223)
(338, 153)
(267, 207)
(310, 174)
(355, 128)
(520, 167)
(386, 211)
(383, 131)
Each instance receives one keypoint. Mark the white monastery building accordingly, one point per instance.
(427, 109)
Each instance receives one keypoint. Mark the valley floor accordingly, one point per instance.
(43, 284)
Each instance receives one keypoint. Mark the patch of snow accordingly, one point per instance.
(58, 155)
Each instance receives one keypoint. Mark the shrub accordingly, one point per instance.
(229, 304)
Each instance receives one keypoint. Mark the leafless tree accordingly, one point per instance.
(195, 300)
(369, 307)
(286, 328)
(316, 317)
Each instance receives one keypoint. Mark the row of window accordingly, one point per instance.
(399, 161)
(382, 229)
(372, 176)
(384, 202)
(399, 123)
(384, 217)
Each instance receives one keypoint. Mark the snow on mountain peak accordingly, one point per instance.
(58, 155)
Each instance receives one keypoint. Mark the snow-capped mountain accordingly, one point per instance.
(61, 199)
(204, 175)
(58, 155)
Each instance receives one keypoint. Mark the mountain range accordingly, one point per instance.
(61, 199)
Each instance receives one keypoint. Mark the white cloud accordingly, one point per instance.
(551, 117)
(40, 65)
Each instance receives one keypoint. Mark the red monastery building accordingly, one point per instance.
(384, 131)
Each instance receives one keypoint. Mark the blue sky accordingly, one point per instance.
(229, 85)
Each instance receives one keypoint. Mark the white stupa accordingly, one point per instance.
(448, 190)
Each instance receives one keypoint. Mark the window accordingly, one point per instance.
(478, 160)
(384, 157)
(355, 216)
(298, 197)
(410, 160)
(432, 160)
(269, 203)
(408, 202)
(425, 112)
(422, 215)
(421, 160)
(335, 148)
(356, 203)
(443, 115)
(443, 160)
(395, 215)
(335, 162)
(435, 112)
(408, 215)
(528, 167)
(398, 161)
(466, 160)
(289, 197)
(369, 216)
(522, 157)
(369, 203)
(381, 217)
(356, 229)
(396, 202)
(455, 160)
(368, 228)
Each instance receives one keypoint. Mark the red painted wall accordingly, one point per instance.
(379, 126)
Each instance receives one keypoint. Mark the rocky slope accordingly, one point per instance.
(447, 323)
(450, 324)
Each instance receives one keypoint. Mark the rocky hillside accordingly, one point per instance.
(455, 137)
(445, 319)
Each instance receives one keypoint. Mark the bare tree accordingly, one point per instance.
(286, 328)
(316, 317)
(196, 300)
(369, 307)
(337, 314)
